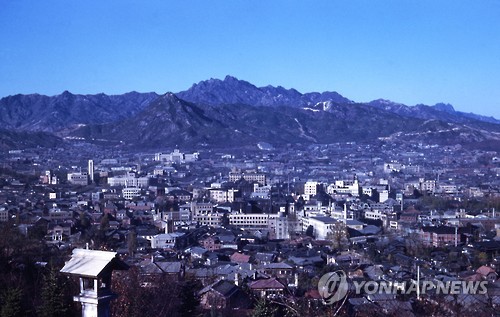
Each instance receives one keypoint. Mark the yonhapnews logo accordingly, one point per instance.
(334, 286)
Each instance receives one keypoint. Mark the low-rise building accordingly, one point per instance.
(4, 214)
(439, 236)
(81, 179)
(323, 226)
(176, 157)
(130, 193)
(236, 175)
(129, 180)
(165, 240)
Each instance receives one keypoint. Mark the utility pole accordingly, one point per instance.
(418, 282)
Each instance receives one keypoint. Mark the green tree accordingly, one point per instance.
(12, 303)
(264, 308)
(310, 231)
(55, 299)
(84, 220)
(144, 296)
(338, 236)
(189, 300)
(127, 285)
(132, 242)
(482, 258)
(104, 224)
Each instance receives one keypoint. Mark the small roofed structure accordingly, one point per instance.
(94, 269)
(267, 287)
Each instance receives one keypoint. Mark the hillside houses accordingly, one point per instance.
(254, 225)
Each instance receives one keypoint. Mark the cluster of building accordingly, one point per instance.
(271, 219)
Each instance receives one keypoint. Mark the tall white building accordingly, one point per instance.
(91, 170)
(383, 196)
(311, 188)
(428, 185)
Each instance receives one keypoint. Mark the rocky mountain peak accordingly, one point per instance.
(446, 107)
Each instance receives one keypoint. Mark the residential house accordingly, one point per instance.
(223, 294)
(240, 258)
(279, 269)
(210, 243)
(487, 273)
(267, 287)
(165, 240)
(440, 236)
(59, 232)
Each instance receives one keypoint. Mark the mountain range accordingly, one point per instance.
(232, 112)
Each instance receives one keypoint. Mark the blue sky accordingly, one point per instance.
(407, 51)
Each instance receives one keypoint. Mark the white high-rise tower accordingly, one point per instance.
(91, 170)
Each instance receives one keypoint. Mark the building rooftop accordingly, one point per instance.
(92, 263)
(325, 219)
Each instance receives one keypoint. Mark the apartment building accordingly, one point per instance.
(311, 188)
(220, 195)
(78, 179)
(176, 157)
(236, 175)
(276, 224)
(213, 219)
(130, 193)
(129, 180)
(344, 187)
(323, 226)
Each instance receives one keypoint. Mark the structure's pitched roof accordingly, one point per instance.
(239, 257)
(352, 222)
(169, 267)
(151, 268)
(277, 266)
(264, 257)
(271, 283)
(92, 263)
(473, 277)
(439, 230)
(326, 220)
(225, 288)
(313, 294)
(485, 270)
